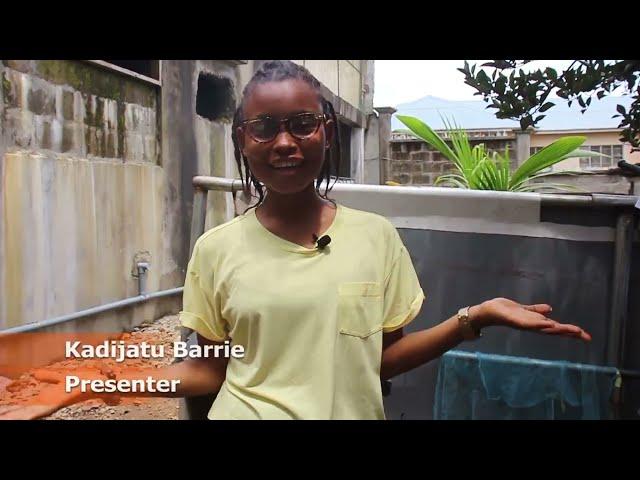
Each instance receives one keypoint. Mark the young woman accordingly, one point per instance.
(321, 324)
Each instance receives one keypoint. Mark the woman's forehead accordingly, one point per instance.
(281, 98)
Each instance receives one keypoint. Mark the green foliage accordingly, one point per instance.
(524, 96)
(478, 170)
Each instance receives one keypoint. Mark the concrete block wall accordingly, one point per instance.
(414, 162)
(79, 109)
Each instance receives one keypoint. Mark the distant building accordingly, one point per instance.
(412, 161)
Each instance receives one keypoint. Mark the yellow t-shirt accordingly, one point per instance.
(310, 320)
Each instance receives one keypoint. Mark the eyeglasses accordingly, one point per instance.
(266, 129)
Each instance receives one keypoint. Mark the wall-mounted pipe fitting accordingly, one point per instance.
(142, 269)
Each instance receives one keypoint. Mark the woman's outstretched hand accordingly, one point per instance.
(507, 313)
(53, 395)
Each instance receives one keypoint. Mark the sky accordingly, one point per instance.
(401, 81)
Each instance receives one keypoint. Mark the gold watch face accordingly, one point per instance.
(469, 332)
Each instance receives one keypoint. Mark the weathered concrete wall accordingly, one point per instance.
(598, 182)
(96, 171)
(371, 160)
(372, 151)
(76, 143)
(343, 77)
(74, 227)
(368, 85)
(96, 168)
(384, 142)
(193, 145)
(80, 109)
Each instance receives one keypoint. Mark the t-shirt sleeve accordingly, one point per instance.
(403, 295)
(200, 305)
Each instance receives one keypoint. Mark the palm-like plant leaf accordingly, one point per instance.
(478, 170)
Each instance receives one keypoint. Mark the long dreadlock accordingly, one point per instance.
(277, 71)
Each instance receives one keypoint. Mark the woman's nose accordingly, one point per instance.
(284, 141)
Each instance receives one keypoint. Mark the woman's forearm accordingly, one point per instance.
(415, 349)
(418, 348)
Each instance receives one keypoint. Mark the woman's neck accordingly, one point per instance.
(296, 206)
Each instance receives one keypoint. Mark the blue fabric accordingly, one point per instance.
(494, 387)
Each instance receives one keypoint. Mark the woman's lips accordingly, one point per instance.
(289, 164)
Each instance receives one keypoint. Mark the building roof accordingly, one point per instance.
(474, 114)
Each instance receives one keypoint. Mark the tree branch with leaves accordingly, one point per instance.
(524, 96)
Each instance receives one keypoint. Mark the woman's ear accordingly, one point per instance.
(329, 132)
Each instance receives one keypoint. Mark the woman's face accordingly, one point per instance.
(285, 164)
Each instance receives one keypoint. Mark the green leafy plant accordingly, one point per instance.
(479, 170)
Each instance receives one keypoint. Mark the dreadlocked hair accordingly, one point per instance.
(277, 71)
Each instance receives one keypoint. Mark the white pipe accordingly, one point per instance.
(546, 199)
(92, 311)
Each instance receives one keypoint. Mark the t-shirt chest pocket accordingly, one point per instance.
(360, 308)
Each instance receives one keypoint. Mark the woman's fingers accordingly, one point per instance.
(541, 308)
(537, 320)
(530, 320)
(567, 330)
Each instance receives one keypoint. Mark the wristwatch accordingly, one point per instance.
(469, 332)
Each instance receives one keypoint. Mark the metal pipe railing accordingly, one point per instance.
(206, 183)
(587, 200)
(93, 311)
(217, 183)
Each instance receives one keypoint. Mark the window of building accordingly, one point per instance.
(613, 156)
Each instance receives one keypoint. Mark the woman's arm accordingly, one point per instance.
(197, 376)
(402, 353)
